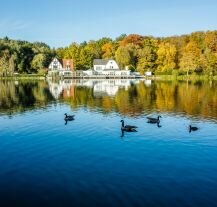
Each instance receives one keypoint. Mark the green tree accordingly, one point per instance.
(123, 57)
(4, 62)
(38, 62)
(147, 56)
(11, 66)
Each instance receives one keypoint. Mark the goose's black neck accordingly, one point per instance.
(122, 123)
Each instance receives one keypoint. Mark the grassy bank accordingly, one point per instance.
(23, 77)
(156, 77)
(185, 77)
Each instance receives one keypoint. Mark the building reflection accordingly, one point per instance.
(148, 82)
(65, 88)
(100, 88)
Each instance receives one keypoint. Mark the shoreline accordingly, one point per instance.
(154, 77)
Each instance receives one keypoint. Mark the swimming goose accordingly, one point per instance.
(191, 128)
(69, 117)
(154, 120)
(128, 128)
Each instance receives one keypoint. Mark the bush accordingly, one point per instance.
(42, 71)
(131, 68)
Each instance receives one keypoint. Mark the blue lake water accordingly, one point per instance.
(45, 161)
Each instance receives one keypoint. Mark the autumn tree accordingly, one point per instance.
(191, 57)
(211, 41)
(123, 56)
(147, 56)
(103, 41)
(108, 51)
(211, 52)
(166, 57)
(132, 39)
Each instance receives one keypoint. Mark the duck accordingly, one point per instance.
(128, 128)
(154, 120)
(192, 128)
(69, 117)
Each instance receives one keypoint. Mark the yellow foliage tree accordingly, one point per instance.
(166, 57)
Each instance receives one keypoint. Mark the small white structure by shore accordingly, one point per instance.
(148, 73)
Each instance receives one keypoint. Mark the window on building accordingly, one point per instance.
(98, 68)
(55, 66)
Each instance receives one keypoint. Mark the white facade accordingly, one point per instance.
(108, 68)
(101, 65)
(88, 72)
(57, 68)
(55, 65)
(148, 73)
(115, 72)
(112, 65)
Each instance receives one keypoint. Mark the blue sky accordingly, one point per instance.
(61, 22)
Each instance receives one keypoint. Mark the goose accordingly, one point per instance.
(128, 128)
(154, 120)
(192, 128)
(69, 117)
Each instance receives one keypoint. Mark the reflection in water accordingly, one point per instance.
(148, 82)
(100, 87)
(127, 97)
(159, 125)
(65, 87)
(66, 121)
(18, 96)
(110, 87)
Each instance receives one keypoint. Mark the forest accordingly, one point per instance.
(195, 53)
(24, 57)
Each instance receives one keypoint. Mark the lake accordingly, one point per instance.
(46, 161)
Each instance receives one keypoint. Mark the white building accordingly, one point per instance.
(108, 68)
(88, 72)
(55, 65)
(61, 67)
(148, 73)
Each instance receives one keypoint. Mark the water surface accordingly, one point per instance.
(89, 162)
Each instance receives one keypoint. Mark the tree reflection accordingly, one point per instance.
(130, 98)
(21, 96)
